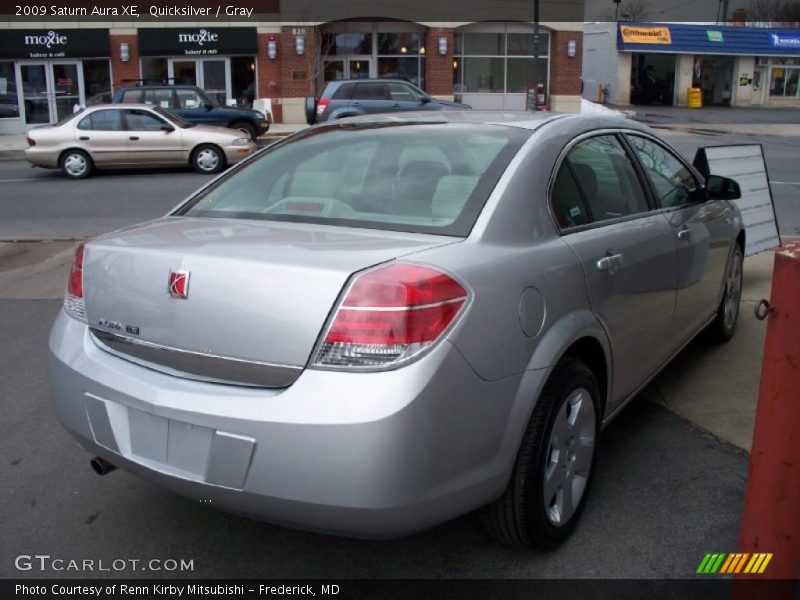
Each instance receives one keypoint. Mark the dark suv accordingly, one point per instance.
(351, 97)
(195, 106)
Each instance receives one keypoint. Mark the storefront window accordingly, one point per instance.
(154, 70)
(97, 81)
(243, 80)
(338, 44)
(9, 103)
(498, 62)
(484, 75)
(399, 43)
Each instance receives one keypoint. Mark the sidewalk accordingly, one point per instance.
(735, 120)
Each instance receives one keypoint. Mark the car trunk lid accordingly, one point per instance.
(257, 294)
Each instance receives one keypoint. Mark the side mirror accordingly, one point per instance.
(167, 128)
(722, 188)
(425, 100)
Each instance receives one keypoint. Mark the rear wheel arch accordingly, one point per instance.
(590, 352)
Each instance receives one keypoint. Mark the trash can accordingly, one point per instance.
(695, 98)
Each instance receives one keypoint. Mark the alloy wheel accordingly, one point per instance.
(569, 456)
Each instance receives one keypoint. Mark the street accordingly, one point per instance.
(40, 204)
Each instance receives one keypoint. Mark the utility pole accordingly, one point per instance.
(535, 54)
(724, 4)
(616, 9)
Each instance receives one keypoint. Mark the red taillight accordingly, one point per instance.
(75, 283)
(390, 315)
(73, 300)
(31, 142)
(322, 106)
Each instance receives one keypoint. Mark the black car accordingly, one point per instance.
(194, 105)
(351, 97)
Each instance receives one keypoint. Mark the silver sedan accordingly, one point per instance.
(133, 135)
(383, 323)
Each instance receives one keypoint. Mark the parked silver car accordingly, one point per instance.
(133, 135)
(382, 323)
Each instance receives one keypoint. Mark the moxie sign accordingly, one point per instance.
(55, 43)
(197, 41)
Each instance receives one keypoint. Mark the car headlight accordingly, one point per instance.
(260, 116)
(240, 142)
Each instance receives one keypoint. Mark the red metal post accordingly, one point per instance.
(771, 519)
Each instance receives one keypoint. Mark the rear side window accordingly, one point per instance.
(419, 178)
(132, 96)
(672, 181)
(597, 182)
(102, 120)
(345, 92)
(371, 91)
(188, 99)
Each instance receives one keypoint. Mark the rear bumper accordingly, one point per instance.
(367, 455)
(41, 158)
(234, 154)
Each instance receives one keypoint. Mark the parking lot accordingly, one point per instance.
(672, 467)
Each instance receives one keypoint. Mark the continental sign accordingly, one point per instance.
(632, 34)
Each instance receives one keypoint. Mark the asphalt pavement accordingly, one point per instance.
(665, 493)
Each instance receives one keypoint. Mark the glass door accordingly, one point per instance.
(66, 89)
(359, 68)
(35, 97)
(210, 74)
(51, 90)
(333, 69)
(183, 72)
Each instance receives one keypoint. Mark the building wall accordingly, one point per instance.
(600, 62)
(622, 92)
(744, 95)
(685, 66)
(121, 71)
(565, 71)
(439, 68)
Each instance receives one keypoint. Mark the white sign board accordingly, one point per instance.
(745, 164)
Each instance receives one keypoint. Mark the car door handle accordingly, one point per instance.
(134, 137)
(84, 138)
(610, 262)
(684, 233)
(355, 104)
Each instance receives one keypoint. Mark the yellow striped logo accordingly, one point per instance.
(737, 562)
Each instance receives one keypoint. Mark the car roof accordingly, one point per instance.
(372, 80)
(119, 105)
(520, 119)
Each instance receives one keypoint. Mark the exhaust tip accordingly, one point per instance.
(101, 466)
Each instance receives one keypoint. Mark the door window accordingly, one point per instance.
(142, 120)
(673, 182)
(596, 182)
(102, 120)
(403, 93)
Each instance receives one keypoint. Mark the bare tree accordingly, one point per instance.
(633, 10)
(772, 13)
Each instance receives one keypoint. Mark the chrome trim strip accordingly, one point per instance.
(197, 365)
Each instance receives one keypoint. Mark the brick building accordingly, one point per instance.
(46, 71)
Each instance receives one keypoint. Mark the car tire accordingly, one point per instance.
(76, 164)
(208, 159)
(554, 463)
(723, 326)
(246, 128)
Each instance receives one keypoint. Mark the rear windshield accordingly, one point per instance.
(419, 178)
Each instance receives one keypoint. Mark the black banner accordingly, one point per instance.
(197, 41)
(54, 43)
(709, 588)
